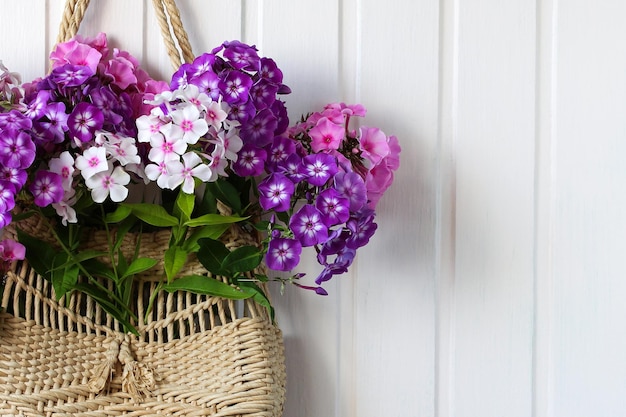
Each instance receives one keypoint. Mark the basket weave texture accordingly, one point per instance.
(196, 355)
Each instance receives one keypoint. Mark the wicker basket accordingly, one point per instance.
(196, 355)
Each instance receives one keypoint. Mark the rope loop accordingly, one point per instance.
(174, 34)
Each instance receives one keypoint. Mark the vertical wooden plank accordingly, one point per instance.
(589, 269)
(395, 280)
(24, 54)
(494, 153)
(303, 38)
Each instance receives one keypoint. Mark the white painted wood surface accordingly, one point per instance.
(495, 284)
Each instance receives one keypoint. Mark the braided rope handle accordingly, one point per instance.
(174, 34)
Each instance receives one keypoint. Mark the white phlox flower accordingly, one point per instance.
(64, 166)
(185, 172)
(167, 147)
(148, 126)
(188, 120)
(92, 161)
(111, 182)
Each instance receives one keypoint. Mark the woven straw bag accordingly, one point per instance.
(196, 355)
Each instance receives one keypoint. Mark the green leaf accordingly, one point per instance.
(121, 230)
(96, 268)
(213, 232)
(121, 213)
(200, 284)
(227, 193)
(139, 265)
(242, 259)
(259, 296)
(213, 219)
(211, 255)
(40, 255)
(102, 298)
(184, 204)
(64, 275)
(153, 215)
(283, 217)
(174, 260)
(262, 226)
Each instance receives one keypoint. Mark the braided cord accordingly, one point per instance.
(174, 34)
(72, 16)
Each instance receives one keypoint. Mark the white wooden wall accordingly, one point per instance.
(495, 285)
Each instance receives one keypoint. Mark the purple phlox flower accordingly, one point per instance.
(280, 112)
(235, 87)
(308, 226)
(47, 188)
(202, 64)
(241, 112)
(35, 108)
(283, 254)
(16, 176)
(362, 228)
(241, 56)
(11, 250)
(17, 149)
(334, 207)
(5, 219)
(250, 161)
(84, 120)
(318, 290)
(7, 196)
(326, 135)
(269, 71)
(259, 130)
(55, 121)
(275, 192)
(279, 151)
(42, 137)
(14, 120)
(329, 271)
(207, 83)
(263, 94)
(180, 78)
(71, 75)
(352, 186)
(292, 167)
(104, 99)
(319, 168)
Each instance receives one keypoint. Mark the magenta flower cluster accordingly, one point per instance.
(98, 122)
(71, 135)
(328, 179)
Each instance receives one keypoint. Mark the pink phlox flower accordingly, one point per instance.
(167, 147)
(110, 183)
(188, 120)
(122, 71)
(326, 135)
(374, 144)
(99, 42)
(185, 172)
(75, 53)
(92, 161)
(64, 166)
(12, 251)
